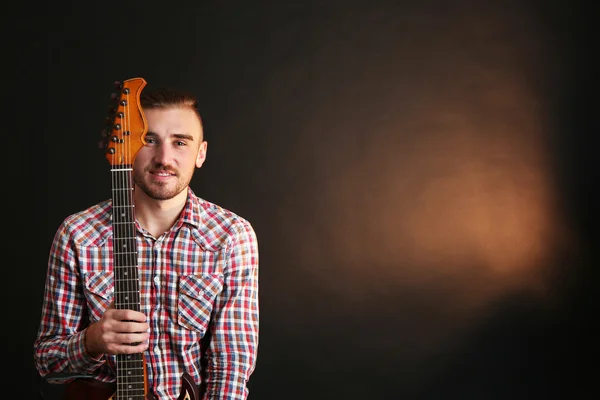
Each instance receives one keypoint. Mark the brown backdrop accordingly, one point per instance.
(420, 176)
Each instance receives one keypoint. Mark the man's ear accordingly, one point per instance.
(201, 154)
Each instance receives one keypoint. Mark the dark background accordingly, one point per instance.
(420, 176)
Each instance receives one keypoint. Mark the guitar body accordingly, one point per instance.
(189, 389)
(91, 389)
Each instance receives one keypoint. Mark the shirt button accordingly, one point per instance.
(156, 280)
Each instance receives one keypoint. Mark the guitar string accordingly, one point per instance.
(115, 218)
(119, 266)
(129, 234)
(126, 233)
(131, 254)
(123, 229)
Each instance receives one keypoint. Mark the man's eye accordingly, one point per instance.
(150, 140)
(180, 143)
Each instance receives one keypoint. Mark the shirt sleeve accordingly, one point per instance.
(232, 352)
(59, 345)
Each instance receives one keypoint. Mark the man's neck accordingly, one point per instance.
(158, 216)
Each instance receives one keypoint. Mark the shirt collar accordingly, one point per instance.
(190, 214)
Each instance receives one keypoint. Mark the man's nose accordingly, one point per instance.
(163, 154)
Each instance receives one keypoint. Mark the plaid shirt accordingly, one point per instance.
(199, 289)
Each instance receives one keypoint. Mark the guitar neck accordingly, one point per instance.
(130, 367)
(127, 291)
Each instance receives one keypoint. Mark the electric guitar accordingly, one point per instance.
(122, 140)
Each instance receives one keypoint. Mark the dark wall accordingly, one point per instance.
(420, 176)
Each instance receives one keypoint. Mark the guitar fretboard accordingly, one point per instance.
(130, 367)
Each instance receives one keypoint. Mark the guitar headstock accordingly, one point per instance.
(126, 123)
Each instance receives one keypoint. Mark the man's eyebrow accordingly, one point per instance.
(186, 136)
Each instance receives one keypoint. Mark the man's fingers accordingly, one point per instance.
(133, 338)
(128, 315)
(128, 349)
(128, 343)
(129, 327)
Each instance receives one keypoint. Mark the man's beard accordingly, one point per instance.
(161, 191)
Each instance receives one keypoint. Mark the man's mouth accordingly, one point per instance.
(162, 174)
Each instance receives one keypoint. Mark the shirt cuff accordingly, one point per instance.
(78, 358)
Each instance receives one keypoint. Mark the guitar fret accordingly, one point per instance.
(126, 302)
(128, 374)
(126, 306)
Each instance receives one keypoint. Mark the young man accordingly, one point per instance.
(198, 275)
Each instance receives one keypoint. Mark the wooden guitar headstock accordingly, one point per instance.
(126, 123)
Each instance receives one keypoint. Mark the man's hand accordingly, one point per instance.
(117, 332)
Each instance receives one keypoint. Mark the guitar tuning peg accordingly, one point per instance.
(111, 110)
(102, 144)
(114, 96)
(118, 84)
(104, 132)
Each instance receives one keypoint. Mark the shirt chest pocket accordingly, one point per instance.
(195, 300)
(98, 290)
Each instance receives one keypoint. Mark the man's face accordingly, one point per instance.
(174, 148)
